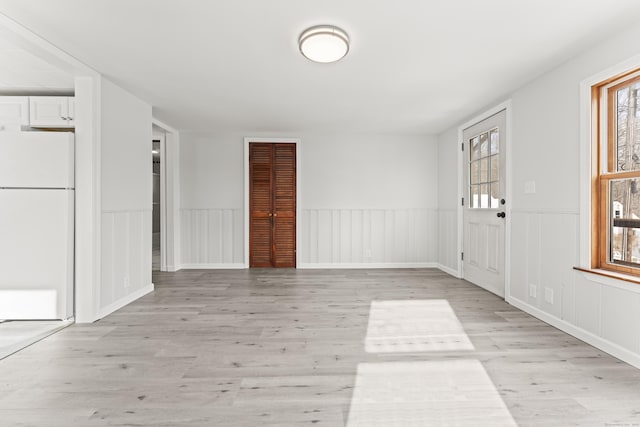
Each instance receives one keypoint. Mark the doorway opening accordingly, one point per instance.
(159, 210)
(164, 155)
(155, 228)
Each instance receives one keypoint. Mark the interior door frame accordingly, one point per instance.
(168, 196)
(247, 141)
(506, 106)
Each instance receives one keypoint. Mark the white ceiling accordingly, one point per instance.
(21, 72)
(415, 66)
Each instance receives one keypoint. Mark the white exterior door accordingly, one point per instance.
(484, 168)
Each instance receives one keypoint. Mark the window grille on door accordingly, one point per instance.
(484, 170)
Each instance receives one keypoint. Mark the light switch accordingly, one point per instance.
(529, 187)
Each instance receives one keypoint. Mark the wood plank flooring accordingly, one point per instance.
(326, 347)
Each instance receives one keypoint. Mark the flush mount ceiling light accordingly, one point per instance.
(324, 43)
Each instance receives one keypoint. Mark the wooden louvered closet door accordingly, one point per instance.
(272, 194)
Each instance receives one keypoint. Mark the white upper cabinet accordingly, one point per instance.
(52, 111)
(14, 112)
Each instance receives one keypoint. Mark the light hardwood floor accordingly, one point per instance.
(333, 348)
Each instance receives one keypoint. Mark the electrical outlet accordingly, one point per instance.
(533, 291)
(126, 282)
(367, 253)
(548, 295)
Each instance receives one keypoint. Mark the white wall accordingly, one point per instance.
(366, 199)
(125, 198)
(211, 200)
(545, 226)
(448, 147)
(87, 195)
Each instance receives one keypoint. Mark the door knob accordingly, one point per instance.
(503, 201)
(270, 214)
(501, 214)
(275, 214)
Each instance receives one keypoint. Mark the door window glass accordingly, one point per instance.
(484, 170)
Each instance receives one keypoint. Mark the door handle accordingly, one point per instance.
(275, 214)
(501, 215)
(270, 214)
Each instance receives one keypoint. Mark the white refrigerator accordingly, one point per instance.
(36, 225)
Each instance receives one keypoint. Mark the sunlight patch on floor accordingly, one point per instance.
(414, 326)
(440, 393)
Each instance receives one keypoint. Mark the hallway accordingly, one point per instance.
(316, 347)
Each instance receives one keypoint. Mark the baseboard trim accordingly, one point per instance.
(105, 311)
(337, 266)
(607, 346)
(221, 266)
(448, 270)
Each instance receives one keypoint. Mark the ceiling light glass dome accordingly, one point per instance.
(324, 43)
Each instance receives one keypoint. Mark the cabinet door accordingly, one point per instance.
(14, 112)
(50, 111)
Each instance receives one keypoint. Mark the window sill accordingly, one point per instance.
(610, 278)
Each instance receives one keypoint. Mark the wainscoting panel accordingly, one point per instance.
(545, 249)
(448, 254)
(211, 237)
(620, 315)
(368, 236)
(126, 256)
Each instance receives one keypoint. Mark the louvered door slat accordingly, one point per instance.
(261, 232)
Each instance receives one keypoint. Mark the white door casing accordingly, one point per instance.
(484, 177)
